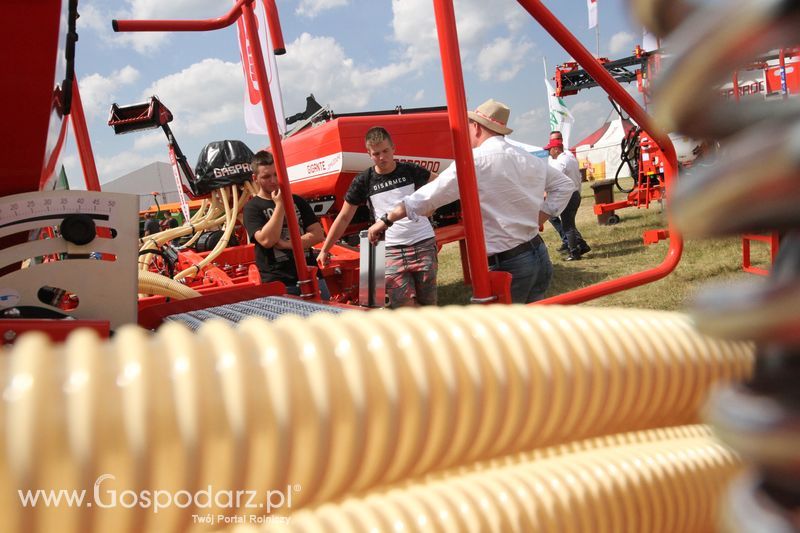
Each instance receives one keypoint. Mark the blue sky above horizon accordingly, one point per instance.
(354, 55)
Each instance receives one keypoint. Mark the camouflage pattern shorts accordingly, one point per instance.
(411, 274)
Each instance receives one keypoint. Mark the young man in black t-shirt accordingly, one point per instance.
(411, 260)
(265, 222)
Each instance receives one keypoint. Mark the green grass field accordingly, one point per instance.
(619, 250)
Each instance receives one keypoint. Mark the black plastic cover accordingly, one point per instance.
(222, 163)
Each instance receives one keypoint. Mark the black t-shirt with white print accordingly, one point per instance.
(383, 192)
(274, 264)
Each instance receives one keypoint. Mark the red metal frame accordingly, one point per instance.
(487, 286)
(573, 47)
(771, 239)
(182, 25)
(82, 140)
(244, 8)
(483, 290)
(306, 280)
(56, 330)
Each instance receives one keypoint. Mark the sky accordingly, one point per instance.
(353, 55)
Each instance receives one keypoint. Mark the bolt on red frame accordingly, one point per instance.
(244, 8)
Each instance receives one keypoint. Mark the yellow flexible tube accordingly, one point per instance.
(231, 213)
(656, 486)
(152, 283)
(214, 216)
(343, 403)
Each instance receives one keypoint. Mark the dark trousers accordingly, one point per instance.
(568, 223)
(556, 222)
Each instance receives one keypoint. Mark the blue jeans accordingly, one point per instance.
(558, 225)
(568, 223)
(531, 273)
(556, 222)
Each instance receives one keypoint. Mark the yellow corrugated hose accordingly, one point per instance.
(334, 404)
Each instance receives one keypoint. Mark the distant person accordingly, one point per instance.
(169, 221)
(265, 221)
(556, 135)
(151, 226)
(411, 253)
(511, 185)
(569, 166)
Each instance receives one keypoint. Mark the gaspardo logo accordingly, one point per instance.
(241, 506)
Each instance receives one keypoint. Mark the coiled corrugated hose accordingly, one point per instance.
(753, 187)
(334, 405)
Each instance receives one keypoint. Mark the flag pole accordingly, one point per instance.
(597, 38)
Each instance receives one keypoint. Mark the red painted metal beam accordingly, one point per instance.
(467, 185)
(585, 59)
(182, 25)
(274, 23)
(244, 9)
(78, 119)
(308, 287)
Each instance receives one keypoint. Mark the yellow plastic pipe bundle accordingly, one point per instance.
(331, 405)
(653, 486)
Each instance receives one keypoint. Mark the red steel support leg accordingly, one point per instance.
(467, 185)
(244, 9)
(464, 255)
(275, 32)
(308, 286)
(772, 239)
(78, 119)
(573, 47)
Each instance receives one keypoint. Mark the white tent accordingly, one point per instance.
(538, 151)
(599, 153)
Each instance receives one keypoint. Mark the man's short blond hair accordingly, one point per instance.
(377, 135)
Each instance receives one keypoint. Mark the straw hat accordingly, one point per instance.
(492, 115)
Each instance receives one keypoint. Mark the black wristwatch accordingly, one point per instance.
(385, 220)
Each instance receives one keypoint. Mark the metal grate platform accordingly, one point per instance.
(269, 307)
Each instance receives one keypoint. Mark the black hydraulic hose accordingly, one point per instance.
(629, 154)
(167, 261)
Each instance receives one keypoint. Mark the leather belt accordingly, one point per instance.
(532, 245)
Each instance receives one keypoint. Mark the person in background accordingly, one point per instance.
(151, 226)
(169, 221)
(511, 185)
(569, 166)
(264, 219)
(556, 135)
(411, 253)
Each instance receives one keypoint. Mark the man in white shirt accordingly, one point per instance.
(569, 166)
(584, 248)
(511, 186)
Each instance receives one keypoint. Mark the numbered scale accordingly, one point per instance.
(90, 254)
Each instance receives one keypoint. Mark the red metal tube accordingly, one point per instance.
(274, 23)
(572, 46)
(584, 58)
(182, 25)
(276, 147)
(50, 165)
(457, 112)
(736, 85)
(82, 139)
